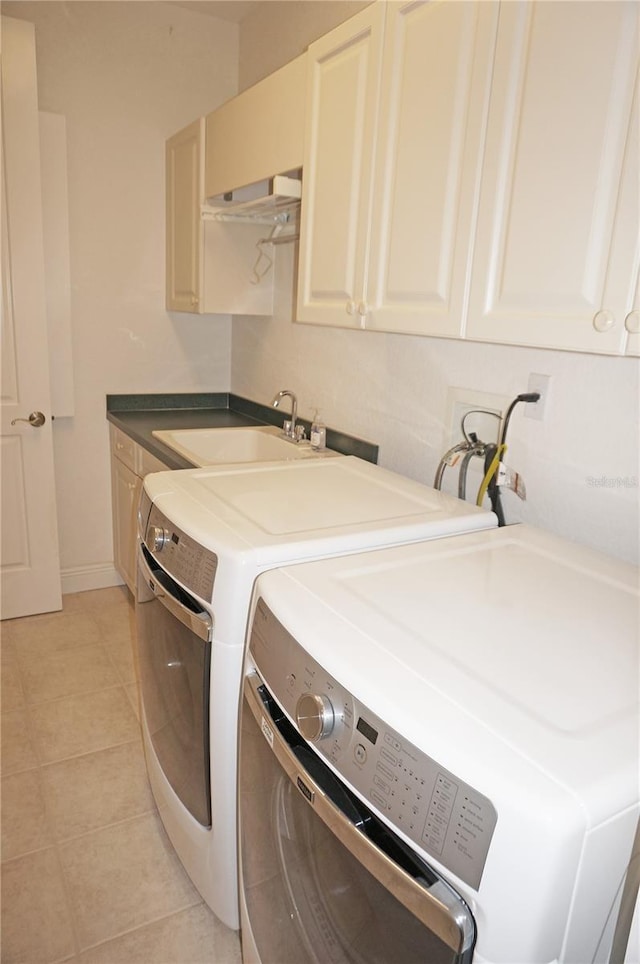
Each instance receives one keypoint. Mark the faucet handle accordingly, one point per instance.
(300, 433)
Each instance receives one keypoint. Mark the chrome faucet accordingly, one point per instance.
(291, 431)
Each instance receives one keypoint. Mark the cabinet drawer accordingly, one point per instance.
(123, 448)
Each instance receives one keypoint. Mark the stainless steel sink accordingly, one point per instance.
(218, 446)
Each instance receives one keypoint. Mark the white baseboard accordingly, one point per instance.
(83, 578)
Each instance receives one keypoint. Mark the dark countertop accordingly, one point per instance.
(139, 415)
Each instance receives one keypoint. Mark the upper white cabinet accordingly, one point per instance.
(259, 133)
(343, 82)
(218, 265)
(471, 170)
(210, 264)
(435, 88)
(622, 286)
(396, 100)
(395, 110)
(184, 158)
(556, 245)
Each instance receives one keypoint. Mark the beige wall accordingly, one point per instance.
(278, 30)
(396, 389)
(126, 75)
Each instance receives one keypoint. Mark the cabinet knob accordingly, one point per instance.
(362, 309)
(603, 320)
(350, 307)
(194, 300)
(632, 322)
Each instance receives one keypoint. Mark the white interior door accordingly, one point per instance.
(30, 567)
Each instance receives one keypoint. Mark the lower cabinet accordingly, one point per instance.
(129, 465)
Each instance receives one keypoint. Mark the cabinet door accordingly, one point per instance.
(125, 493)
(434, 95)
(632, 318)
(342, 98)
(559, 115)
(626, 243)
(184, 176)
(259, 133)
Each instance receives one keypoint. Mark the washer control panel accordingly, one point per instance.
(181, 556)
(437, 810)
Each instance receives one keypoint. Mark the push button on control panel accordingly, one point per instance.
(360, 754)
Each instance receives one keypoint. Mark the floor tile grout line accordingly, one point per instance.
(87, 753)
(153, 810)
(97, 749)
(70, 903)
(140, 927)
(72, 696)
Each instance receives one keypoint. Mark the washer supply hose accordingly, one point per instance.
(446, 460)
(493, 459)
(494, 455)
(476, 450)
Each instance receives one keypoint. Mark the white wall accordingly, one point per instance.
(580, 464)
(126, 75)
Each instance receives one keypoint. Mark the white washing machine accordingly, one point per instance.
(439, 755)
(205, 534)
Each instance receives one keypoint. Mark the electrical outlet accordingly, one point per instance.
(541, 384)
(486, 426)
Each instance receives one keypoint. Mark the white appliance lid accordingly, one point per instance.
(275, 505)
(510, 637)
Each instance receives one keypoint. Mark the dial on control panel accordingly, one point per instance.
(156, 538)
(315, 716)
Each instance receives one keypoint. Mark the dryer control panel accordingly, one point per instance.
(181, 556)
(437, 810)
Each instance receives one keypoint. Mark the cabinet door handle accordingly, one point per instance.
(632, 322)
(350, 307)
(603, 320)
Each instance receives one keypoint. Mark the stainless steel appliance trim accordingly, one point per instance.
(438, 907)
(199, 624)
(628, 904)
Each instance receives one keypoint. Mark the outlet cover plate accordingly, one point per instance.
(463, 400)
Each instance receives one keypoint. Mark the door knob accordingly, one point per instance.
(36, 419)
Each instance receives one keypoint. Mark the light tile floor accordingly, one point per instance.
(88, 873)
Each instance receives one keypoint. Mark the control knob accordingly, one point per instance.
(315, 716)
(157, 537)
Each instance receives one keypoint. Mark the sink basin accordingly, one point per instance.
(215, 446)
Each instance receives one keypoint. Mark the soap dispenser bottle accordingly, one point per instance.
(318, 435)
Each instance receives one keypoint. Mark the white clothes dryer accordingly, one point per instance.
(205, 534)
(439, 755)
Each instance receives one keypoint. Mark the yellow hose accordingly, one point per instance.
(489, 474)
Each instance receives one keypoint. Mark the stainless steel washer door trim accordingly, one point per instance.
(438, 906)
(198, 623)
